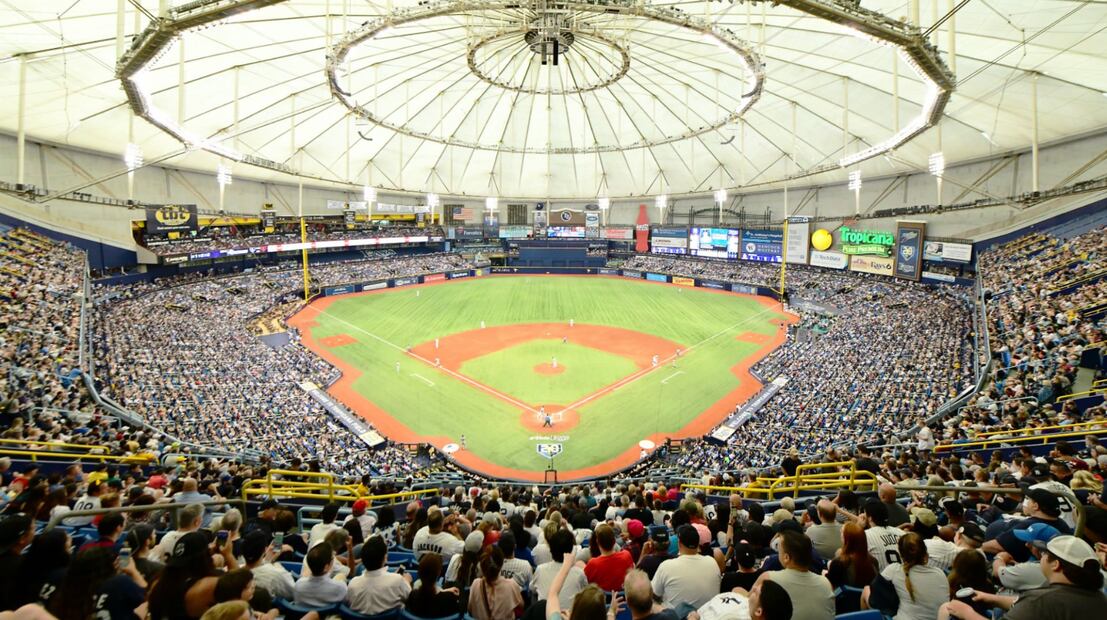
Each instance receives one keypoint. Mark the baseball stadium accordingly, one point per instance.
(548, 309)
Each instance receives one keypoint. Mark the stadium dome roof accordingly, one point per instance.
(640, 99)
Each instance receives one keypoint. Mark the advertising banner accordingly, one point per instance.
(713, 284)
(164, 219)
(866, 242)
(540, 220)
(940, 277)
(669, 242)
(336, 205)
(629, 273)
(946, 251)
(592, 224)
(799, 232)
(714, 242)
(405, 281)
(268, 220)
(657, 277)
(621, 234)
(909, 249)
(829, 260)
(434, 277)
(338, 290)
(684, 281)
(355, 424)
(763, 246)
(745, 289)
(491, 224)
(386, 208)
(608, 272)
(566, 217)
(453, 275)
(642, 230)
(349, 218)
(873, 264)
(514, 232)
(175, 259)
(565, 232)
(372, 286)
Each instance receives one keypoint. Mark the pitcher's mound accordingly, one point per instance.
(548, 369)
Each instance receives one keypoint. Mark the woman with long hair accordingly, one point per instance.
(427, 601)
(93, 586)
(492, 597)
(852, 565)
(186, 587)
(921, 589)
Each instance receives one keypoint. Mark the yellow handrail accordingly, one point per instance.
(35, 455)
(851, 479)
(1077, 280)
(1036, 430)
(1026, 439)
(1075, 395)
(54, 444)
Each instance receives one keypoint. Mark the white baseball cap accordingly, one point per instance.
(1070, 549)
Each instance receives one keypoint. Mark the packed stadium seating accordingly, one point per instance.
(697, 520)
(234, 239)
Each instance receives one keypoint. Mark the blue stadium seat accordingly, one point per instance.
(349, 614)
(293, 567)
(847, 599)
(291, 611)
(407, 615)
(868, 614)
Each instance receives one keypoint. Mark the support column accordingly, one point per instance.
(1034, 132)
(915, 19)
(21, 131)
(933, 20)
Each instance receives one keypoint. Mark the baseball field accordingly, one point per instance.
(610, 361)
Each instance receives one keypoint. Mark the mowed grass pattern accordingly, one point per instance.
(384, 324)
(583, 371)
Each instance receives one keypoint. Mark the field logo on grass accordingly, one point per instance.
(549, 450)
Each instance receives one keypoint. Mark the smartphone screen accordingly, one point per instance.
(278, 540)
(124, 557)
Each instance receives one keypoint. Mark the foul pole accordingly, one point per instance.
(783, 257)
(303, 242)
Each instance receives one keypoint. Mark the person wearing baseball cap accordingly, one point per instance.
(1073, 590)
(1039, 506)
(968, 536)
(1017, 576)
(689, 578)
(366, 518)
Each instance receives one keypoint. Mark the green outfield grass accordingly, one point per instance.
(663, 401)
(584, 370)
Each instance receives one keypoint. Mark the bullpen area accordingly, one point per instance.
(573, 371)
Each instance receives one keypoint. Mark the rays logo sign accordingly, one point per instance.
(549, 450)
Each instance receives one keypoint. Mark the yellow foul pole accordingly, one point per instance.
(783, 258)
(303, 241)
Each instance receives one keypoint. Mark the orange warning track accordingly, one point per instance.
(635, 345)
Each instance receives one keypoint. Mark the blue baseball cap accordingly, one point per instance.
(1037, 532)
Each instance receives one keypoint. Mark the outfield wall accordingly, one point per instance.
(736, 287)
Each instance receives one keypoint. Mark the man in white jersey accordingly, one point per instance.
(431, 539)
(883, 540)
(968, 536)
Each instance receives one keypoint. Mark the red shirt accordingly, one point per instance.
(609, 571)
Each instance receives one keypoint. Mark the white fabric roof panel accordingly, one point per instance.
(417, 76)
